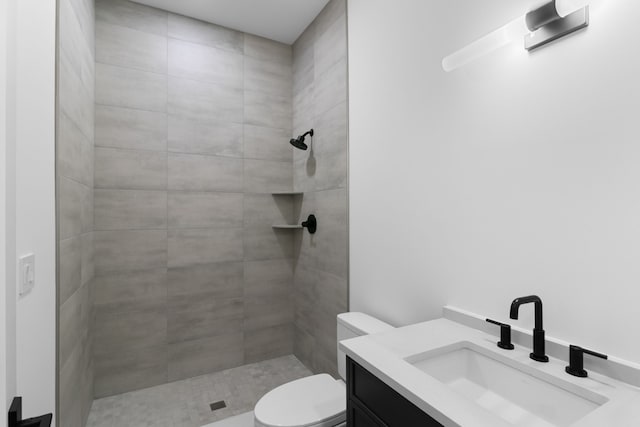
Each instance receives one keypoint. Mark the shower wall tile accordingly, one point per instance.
(126, 87)
(202, 101)
(204, 63)
(125, 47)
(132, 15)
(198, 316)
(192, 123)
(124, 371)
(268, 343)
(204, 246)
(320, 287)
(265, 176)
(130, 209)
(130, 250)
(191, 358)
(205, 137)
(70, 267)
(267, 76)
(267, 143)
(219, 280)
(74, 187)
(331, 87)
(129, 169)
(331, 46)
(205, 210)
(131, 129)
(268, 50)
(265, 109)
(192, 30)
(191, 172)
(130, 286)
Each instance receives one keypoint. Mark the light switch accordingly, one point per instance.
(26, 274)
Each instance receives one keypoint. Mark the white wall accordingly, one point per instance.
(518, 174)
(27, 202)
(35, 201)
(7, 208)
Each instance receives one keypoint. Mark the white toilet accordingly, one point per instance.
(319, 400)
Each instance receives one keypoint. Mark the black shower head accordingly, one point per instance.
(299, 141)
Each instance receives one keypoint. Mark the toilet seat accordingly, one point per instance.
(316, 401)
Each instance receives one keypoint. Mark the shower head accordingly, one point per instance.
(299, 141)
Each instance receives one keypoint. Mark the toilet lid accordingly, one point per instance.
(310, 401)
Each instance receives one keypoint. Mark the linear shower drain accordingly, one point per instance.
(217, 405)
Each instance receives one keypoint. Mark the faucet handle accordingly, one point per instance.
(576, 360)
(505, 335)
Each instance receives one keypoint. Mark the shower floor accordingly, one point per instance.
(186, 403)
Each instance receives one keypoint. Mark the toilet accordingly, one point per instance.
(319, 400)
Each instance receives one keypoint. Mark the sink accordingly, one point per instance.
(517, 393)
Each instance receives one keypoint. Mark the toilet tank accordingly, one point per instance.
(351, 325)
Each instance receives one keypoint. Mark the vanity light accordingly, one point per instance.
(540, 26)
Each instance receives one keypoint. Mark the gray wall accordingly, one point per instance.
(192, 124)
(74, 160)
(320, 101)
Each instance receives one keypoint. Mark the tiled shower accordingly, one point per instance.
(172, 138)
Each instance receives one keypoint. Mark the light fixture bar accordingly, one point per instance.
(556, 29)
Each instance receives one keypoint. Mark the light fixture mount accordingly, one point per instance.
(547, 25)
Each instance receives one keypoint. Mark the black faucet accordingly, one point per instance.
(538, 333)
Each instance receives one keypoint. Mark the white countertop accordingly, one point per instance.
(384, 355)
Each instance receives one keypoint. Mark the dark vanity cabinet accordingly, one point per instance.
(372, 403)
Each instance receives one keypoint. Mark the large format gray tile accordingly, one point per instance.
(303, 58)
(264, 311)
(331, 243)
(193, 30)
(130, 250)
(265, 49)
(191, 358)
(129, 169)
(122, 371)
(76, 46)
(130, 286)
(203, 101)
(205, 210)
(332, 12)
(130, 209)
(262, 242)
(205, 136)
(268, 76)
(266, 343)
(125, 87)
(132, 129)
(204, 63)
(84, 11)
(269, 277)
(132, 15)
(266, 176)
(87, 267)
(75, 100)
(71, 199)
(205, 173)
(128, 327)
(70, 267)
(267, 143)
(265, 209)
(331, 46)
(331, 149)
(265, 109)
(331, 87)
(74, 149)
(204, 246)
(197, 316)
(220, 280)
(125, 47)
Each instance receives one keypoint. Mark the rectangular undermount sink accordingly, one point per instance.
(519, 394)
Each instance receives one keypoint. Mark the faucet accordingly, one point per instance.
(538, 333)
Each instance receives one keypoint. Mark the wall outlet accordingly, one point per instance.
(26, 274)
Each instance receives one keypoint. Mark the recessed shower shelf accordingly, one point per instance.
(287, 226)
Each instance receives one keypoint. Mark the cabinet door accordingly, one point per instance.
(386, 405)
(358, 418)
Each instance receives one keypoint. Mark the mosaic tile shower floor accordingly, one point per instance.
(186, 403)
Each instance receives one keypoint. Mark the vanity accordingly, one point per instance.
(450, 372)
